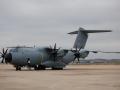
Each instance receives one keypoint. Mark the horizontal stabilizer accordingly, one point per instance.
(90, 31)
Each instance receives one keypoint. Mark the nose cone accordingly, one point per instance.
(8, 57)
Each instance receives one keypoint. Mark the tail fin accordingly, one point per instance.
(82, 36)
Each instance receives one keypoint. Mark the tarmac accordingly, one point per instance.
(73, 77)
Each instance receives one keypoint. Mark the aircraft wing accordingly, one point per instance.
(93, 51)
(90, 31)
(104, 52)
(20, 47)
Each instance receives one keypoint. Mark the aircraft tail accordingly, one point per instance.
(82, 36)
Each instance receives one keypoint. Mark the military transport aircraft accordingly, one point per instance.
(48, 57)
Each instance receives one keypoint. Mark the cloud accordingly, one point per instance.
(44, 22)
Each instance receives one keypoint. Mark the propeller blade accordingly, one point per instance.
(3, 54)
(55, 46)
(0, 53)
(54, 52)
(80, 48)
(6, 51)
(75, 58)
(50, 47)
(58, 49)
(76, 53)
(76, 47)
(3, 50)
(72, 50)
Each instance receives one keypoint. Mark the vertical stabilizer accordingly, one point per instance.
(82, 36)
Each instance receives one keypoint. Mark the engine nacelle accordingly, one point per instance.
(84, 53)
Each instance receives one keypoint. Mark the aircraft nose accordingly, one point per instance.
(8, 57)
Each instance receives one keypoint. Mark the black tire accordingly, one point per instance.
(36, 68)
(41, 67)
(18, 68)
(53, 68)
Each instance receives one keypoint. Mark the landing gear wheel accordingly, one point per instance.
(53, 68)
(18, 68)
(36, 67)
(41, 67)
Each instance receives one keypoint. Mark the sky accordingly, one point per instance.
(45, 22)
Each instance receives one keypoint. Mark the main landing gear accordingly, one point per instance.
(53, 68)
(39, 67)
(18, 68)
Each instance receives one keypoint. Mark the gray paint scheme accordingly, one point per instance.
(82, 36)
(40, 56)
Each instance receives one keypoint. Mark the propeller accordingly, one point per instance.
(76, 53)
(54, 52)
(3, 54)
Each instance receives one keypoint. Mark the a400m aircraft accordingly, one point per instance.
(48, 57)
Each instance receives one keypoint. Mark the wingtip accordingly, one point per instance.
(110, 30)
